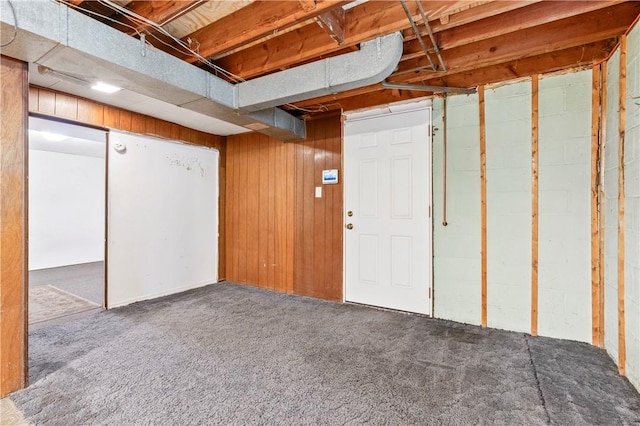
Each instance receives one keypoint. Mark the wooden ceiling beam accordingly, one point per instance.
(362, 23)
(509, 22)
(540, 64)
(254, 22)
(333, 23)
(467, 16)
(559, 35)
(160, 12)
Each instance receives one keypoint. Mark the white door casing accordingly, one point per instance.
(388, 227)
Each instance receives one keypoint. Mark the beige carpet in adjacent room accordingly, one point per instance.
(49, 302)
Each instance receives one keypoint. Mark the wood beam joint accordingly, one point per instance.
(333, 23)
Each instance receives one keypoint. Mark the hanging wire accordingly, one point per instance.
(15, 25)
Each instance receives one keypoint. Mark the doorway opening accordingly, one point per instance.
(67, 182)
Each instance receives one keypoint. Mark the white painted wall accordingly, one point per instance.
(163, 218)
(66, 208)
(457, 245)
(632, 208)
(508, 132)
(564, 173)
(611, 207)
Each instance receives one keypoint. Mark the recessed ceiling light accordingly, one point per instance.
(106, 88)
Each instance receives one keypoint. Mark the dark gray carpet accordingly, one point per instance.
(85, 280)
(229, 354)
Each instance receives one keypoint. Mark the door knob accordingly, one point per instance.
(349, 225)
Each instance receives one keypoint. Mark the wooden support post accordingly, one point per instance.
(596, 292)
(534, 205)
(603, 120)
(483, 204)
(622, 352)
(14, 95)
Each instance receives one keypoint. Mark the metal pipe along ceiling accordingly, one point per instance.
(53, 35)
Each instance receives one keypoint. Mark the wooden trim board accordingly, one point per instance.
(534, 205)
(483, 204)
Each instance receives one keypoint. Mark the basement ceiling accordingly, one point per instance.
(459, 44)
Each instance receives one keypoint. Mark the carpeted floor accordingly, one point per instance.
(230, 354)
(49, 302)
(85, 280)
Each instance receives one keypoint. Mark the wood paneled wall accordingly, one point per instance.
(69, 107)
(319, 221)
(13, 222)
(279, 236)
(260, 211)
(61, 105)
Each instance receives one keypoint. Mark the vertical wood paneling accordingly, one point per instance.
(90, 112)
(256, 214)
(14, 97)
(319, 214)
(66, 106)
(243, 207)
(622, 349)
(271, 214)
(318, 227)
(279, 236)
(263, 208)
(534, 204)
(46, 102)
(253, 211)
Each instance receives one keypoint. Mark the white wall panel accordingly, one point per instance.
(163, 218)
(66, 208)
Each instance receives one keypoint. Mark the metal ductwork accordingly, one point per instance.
(53, 35)
(374, 62)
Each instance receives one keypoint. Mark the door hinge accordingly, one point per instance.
(430, 293)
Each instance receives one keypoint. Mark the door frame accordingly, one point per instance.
(392, 109)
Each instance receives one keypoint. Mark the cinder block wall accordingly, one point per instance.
(632, 207)
(564, 263)
(631, 336)
(457, 245)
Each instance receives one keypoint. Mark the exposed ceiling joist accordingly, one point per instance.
(362, 23)
(558, 35)
(253, 22)
(160, 12)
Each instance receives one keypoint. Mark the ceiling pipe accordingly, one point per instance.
(65, 41)
(425, 20)
(418, 36)
(423, 88)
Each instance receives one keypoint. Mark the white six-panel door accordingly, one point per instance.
(387, 178)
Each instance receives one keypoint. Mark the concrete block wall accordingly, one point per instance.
(564, 172)
(508, 148)
(564, 203)
(457, 245)
(632, 208)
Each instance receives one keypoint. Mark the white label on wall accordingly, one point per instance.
(330, 176)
